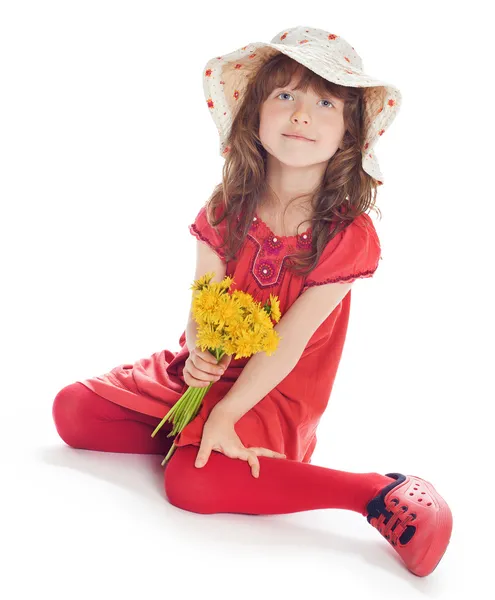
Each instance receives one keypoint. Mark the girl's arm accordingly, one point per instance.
(262, 373)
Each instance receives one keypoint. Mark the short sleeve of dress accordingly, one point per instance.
(202, 230)
(353, 253)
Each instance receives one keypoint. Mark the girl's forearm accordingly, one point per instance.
(261, 374)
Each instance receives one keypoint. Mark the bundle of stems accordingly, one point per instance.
(183, 412)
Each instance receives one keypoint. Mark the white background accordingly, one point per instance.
(107, 152)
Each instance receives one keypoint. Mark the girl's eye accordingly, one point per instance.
(287, 94)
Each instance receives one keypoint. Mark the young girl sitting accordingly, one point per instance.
(298, 120)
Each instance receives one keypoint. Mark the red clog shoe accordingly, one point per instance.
(415, 519)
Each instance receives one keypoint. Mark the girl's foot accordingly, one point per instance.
(415, 520)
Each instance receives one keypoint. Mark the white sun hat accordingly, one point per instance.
(226, 77)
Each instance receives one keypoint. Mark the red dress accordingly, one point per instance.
(286, 419)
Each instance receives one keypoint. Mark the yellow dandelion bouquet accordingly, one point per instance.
(228, 323)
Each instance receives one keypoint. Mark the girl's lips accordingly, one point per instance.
(295, 137)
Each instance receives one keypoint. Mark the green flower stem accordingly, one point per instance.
(194, 404)
(162, 422)
(184, 417)
(177, 420)
(169, 416)
(169, 454)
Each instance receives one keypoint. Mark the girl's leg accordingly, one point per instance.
(284, 486)
(86, 420)
(407, 510)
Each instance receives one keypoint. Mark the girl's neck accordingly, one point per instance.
(282, 222)
(275, 205)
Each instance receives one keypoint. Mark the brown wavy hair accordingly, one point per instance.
(345, 190)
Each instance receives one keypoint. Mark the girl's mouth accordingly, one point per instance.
(295, 137)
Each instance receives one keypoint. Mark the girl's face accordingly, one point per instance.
(320, 118)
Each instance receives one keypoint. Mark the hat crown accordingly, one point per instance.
(314, 39)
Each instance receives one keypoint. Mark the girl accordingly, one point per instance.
(265, 410)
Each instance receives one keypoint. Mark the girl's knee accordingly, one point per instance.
(70, 411)
(186, 486)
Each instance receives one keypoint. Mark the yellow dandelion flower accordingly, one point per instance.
(244, 299)
(227, 310)
(229, 346)
(260, 317)
(234, 328)
(200, 283)
(205, 304)
(226, 282)
(244, 344)
(271, 341)
(275, 308)
(208, 337)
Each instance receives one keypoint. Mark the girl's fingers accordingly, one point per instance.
(254, 464)
(211, 366)
(269, 453)
(195, 382)
(204, 370)
(203, 455)
(251, 456)
(225, 361)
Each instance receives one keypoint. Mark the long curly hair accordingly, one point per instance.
(345, 190)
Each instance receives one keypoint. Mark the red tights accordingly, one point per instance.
(224, 485)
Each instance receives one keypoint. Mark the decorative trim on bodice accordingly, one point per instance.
(267, 264)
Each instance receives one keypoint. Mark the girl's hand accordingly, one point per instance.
(219, 434)
(201, 368)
